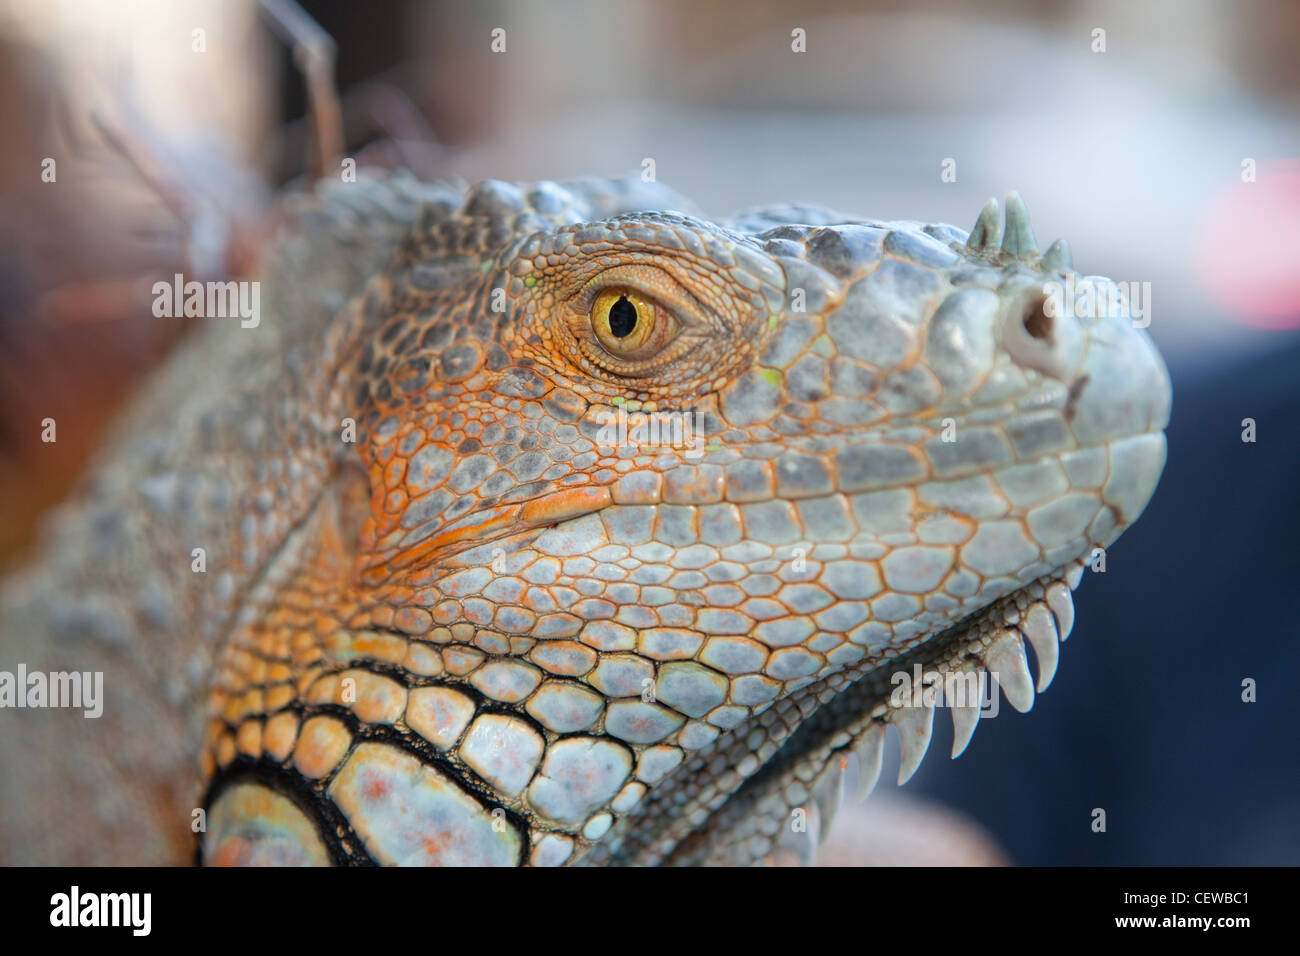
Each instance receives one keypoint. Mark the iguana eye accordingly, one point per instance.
(629, 326)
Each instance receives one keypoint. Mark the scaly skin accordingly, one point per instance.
(478, 627)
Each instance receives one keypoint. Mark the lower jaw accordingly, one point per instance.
(814, 736)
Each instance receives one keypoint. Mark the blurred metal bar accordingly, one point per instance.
(313, 53)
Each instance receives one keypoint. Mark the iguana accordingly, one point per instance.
(553, 523)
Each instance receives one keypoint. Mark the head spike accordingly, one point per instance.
(984, 235)
(1018, 239)
(1058, 258)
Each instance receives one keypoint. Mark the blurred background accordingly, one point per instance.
(1161, 138)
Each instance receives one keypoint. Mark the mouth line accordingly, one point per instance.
(511, 521)
(520, 521)
(850, 726)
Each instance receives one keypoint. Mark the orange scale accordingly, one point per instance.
(279, 735)
(413, 620)
(447, 612)
(379, 700)
(279, 696)
(249, 738)
(225, 749)
(324, 691)
(536, 600)
(381, 647)
(234, 710)
(321, 745)
(253, 700)
(257, 673)
(338, 645)
(422, 659)
(309, 677)
(309, 656)
(241, 661)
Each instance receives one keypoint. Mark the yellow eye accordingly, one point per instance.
(630, 326)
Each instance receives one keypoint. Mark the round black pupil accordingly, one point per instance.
(622, 317)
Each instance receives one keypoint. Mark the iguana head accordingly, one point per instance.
(649, 511)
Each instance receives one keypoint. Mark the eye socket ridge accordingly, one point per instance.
(649, 282)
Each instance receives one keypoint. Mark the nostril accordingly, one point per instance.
(1036, 320)
(1036, 337)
